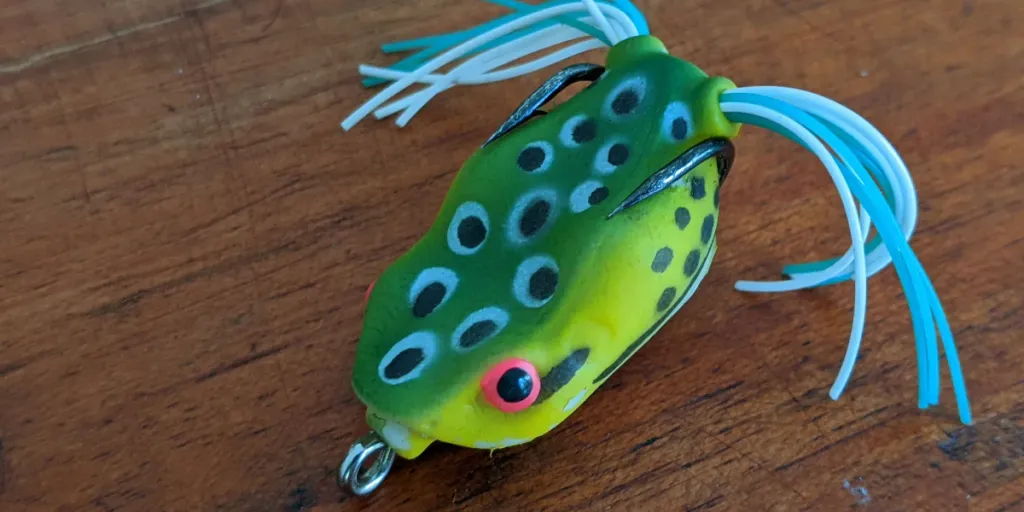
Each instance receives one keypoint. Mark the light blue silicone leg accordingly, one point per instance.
(434, 45)
(446, 41)
(928, 359)
(805, 268)
(924, 373)
(874, 168)
(930, 378)
(925, 306)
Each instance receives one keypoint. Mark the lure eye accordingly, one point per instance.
(512, 385)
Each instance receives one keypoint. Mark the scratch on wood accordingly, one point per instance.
(101, 504)
(645, 444)
(694, 462)
(121, 305)
(639, 480)
(238, 363)
(273, 19)
(859, 418)
(707, 505)
(59, 150)
(843, 440)
(249, 204)
(17, 66)
(11, 368)
(301, 498)
(719, 391)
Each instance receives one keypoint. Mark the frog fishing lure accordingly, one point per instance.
(572, 235)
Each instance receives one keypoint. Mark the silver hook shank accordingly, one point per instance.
(543, 94)
(720, 149)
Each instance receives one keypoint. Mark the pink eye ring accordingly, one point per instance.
(511, 385)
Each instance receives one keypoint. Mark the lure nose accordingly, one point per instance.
(406, 441)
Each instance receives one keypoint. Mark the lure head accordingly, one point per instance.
(511, 309)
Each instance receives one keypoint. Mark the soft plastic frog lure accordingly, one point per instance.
(572, 236)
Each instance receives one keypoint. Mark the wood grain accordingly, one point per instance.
(186, 235)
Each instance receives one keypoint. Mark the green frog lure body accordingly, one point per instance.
(571, 236)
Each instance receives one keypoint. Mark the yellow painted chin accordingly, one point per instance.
(469, 420)
(476, 425)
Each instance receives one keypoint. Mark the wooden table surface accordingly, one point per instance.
(186, 235)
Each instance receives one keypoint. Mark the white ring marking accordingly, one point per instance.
(423, 340)
(464, 211)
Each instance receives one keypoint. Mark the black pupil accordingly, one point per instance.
(584, 132)
(515, 385)
(618, 154)
(477, 333)
(543, 283)
(679, 128)
(471, 232)
(405, 362)
(530, 159)
(534, 217)
(428, 299)
(625, 102)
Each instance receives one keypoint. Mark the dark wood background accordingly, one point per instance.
(186, 235)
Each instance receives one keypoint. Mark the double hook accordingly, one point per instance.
(721, 149)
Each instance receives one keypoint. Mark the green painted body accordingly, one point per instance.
(606, 292)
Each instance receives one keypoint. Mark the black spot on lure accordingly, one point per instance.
(551, 260)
